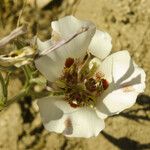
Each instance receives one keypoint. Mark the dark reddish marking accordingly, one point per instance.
(90, 85)
(77, 96)
(69, 61)
(68, 126)
(105, 84)
(73, 105)
(68, 123)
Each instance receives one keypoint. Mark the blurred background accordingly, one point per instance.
(128, 22)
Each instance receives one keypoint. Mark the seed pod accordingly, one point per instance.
(17, 58)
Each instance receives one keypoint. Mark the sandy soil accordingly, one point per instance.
(128, 22)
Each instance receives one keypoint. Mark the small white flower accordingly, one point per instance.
(95, 84)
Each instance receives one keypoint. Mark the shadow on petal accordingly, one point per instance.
(127, 74)
(135, 80)
(49, 111)
(119, 87)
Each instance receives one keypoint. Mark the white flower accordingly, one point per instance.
(95, 86)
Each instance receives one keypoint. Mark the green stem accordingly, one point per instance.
(1, 18)
(26, 88)
(85, 68)
(7, 78)
(4, 88)
(27, 75)
(56, 93)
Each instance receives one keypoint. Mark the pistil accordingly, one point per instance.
(80, 83)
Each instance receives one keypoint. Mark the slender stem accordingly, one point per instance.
(1, 18)
(7, 78)
(84, 67)
(21, 12)
(56, 93)
(15, 33)
(4, 88)
(64, 41)
(25, 89)
(27, 75)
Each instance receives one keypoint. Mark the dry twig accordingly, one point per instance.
(15, 33)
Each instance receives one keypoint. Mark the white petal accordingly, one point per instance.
(117, 101)
(85, 123)
(45, 64)
(102, 112)
(43, 45)
(137, 80)
(52, 64)
(123, 93)
(123, 66)
(100, 45)
(106, 68)
(117, 67)
(52, 110)
(68, 26)
(58, 116)
(50, 68)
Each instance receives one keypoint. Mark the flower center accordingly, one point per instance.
(81, 83)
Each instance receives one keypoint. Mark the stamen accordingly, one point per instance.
(80, 83)
(69, 62)
(105, 84)
(73, 104)
(91, 85)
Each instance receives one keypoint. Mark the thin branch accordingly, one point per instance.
(15, 33)
(64, 41)
(21, 12)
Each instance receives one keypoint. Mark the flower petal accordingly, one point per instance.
(43, 45)
(52, 64)
(122, 91)
(85, 123)
(106, 68)
(68, 26)
(100, 45)
(117, 67)
(51, 69)
(137, 80)
(117, 101)
(123, 66)
(58, 116)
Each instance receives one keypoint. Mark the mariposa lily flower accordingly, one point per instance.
(94, 84)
